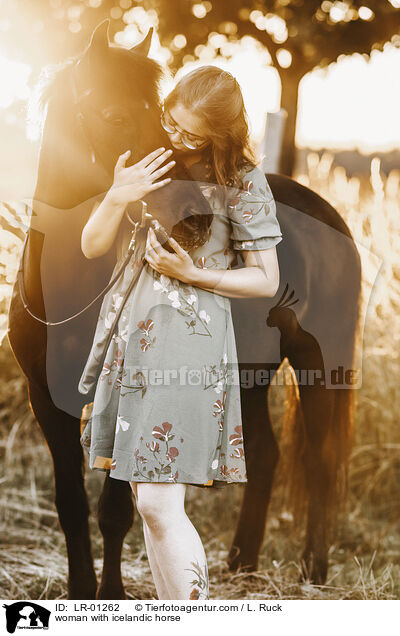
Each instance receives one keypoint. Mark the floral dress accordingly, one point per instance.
(166, 406)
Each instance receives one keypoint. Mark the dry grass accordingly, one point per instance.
(365, 557)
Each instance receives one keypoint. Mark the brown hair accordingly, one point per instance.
(214, 96)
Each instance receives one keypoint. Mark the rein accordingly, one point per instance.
(130, 251)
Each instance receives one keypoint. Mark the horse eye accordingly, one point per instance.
(112, 118)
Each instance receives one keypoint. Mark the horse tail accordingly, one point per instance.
(292, 444)
(338, 443)
(335, 451)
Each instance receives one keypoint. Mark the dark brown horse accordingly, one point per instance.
(116, 92)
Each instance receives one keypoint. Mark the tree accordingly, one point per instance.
(300, 36)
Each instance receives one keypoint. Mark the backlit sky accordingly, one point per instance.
(354, 103)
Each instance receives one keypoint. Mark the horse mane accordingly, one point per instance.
(49, 81)
(52, 78)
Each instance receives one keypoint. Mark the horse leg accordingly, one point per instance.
(317, 406)
(61, 432)
(116, 515)
(262, 454)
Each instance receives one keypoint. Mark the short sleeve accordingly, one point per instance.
(252, 213)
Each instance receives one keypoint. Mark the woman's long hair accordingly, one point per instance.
(214, 96)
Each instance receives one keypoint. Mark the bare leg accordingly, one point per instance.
(162, 590)
(174, 539)
(159, 581)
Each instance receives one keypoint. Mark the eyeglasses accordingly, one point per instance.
(188, 139)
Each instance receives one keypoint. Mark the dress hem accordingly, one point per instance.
(105, 464)
(215, 483)
(211, 483)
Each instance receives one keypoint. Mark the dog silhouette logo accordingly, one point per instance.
(26, 615)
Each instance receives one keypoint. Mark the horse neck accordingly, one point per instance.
(66, 174)
(67, 186)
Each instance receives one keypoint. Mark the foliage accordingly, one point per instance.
(315, 32)
(299, 35)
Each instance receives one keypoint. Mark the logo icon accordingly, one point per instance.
(26, 615)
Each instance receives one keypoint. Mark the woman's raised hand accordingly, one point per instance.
(134, 182)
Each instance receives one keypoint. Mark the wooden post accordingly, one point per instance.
(271, 145)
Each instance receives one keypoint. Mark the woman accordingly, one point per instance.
(182, 426)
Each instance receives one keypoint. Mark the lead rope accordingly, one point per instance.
(130, 251)
(147, 218)
(88, 407)
(117, 317)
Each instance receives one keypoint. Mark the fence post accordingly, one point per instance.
(271, 145)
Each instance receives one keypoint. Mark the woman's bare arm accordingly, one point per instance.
(100, 231)
(259, 277)
(130, 184)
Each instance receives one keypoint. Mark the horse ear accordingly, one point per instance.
(99, 38)
(143, 47)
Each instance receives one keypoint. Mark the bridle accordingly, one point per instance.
(136, 225)
(79, 114)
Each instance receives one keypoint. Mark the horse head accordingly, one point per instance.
(104, 102)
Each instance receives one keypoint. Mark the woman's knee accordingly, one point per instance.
(158, 504)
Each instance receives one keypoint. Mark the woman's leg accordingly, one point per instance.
(162, 590)
(175, 541)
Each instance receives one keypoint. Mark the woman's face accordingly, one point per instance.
(184, 129)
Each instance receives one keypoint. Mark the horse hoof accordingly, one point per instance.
(110, 592)
(313, 569)
(237, 561)
(81, 591)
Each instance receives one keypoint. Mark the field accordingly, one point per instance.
(365, 557)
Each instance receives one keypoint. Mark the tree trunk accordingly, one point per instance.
(290, 88)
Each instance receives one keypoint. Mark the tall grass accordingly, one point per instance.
(371, 208)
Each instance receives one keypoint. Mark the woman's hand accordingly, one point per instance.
(178, 265)
(134, 182)
(258, 279)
